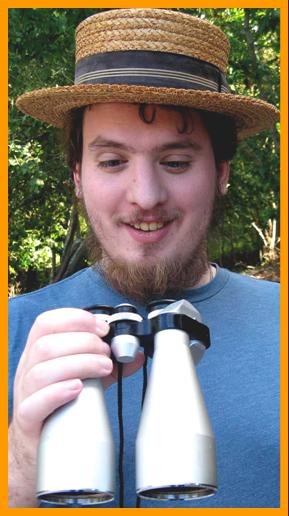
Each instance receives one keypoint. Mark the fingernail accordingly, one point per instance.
(105, 363)
(71, 390)
(74, 385)
(101, 326)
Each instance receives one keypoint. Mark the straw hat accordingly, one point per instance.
(150, 56)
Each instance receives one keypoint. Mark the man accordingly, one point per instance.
(151, 128)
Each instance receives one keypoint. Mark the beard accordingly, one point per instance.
(144, 282)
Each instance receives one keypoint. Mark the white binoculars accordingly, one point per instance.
(175, 444)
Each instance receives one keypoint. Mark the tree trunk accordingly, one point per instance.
(69, 246)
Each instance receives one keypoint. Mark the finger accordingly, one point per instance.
(48, 347)
(34, 409)
(66, 319)
(128, 369)
(64, 368)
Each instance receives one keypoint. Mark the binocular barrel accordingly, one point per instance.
(175, 449)
(76, 451)
(175, 445)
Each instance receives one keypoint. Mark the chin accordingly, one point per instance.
(145, 260)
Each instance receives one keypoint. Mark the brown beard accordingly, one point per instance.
(144, 283)
(166, 278)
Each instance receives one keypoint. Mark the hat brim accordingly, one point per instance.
(53, 105)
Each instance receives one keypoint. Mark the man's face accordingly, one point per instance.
(148, 190)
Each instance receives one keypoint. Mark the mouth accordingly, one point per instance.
(148, 226)
(148, 232)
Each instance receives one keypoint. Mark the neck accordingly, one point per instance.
(206, 277)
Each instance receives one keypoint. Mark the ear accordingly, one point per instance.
(223, 177)
(77, 180)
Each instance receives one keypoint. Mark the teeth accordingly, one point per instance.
(149, 226)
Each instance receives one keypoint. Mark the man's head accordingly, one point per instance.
(148, 179)
(147, 174)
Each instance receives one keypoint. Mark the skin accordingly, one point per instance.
(147, 173)
(144, 173)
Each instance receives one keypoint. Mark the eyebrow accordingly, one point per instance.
(99, 142)
(186, 144)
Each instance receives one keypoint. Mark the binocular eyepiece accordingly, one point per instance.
(175, 445)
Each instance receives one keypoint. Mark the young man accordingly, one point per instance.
(152, 127)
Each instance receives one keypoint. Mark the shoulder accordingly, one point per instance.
(78, 291)
(254, 286)
(84, 288)
(232, 291)
(53, 295)
(242, 299)
(253, 297)
(254, 282)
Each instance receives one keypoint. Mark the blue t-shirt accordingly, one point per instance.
(239, 377)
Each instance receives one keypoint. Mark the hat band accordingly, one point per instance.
(150, 68)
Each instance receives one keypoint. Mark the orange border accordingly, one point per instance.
(3, 242)
(284, 256)
(283, 5)
(193, 3)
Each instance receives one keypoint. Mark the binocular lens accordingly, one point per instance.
(81, 497)
(184, 492)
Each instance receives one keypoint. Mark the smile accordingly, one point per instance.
(148, 226)
(148, 232)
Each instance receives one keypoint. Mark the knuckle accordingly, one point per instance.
(43, 348)
(34, 377)
(23, 410)
(102, 346)
(94, 344)
(41, 319)
(100, 365)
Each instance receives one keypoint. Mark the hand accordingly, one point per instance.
(64, 347)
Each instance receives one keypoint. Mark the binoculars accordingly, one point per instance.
(175, 444)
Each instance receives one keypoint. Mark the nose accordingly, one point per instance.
(146, 187)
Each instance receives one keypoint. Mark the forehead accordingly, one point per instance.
(123, 120)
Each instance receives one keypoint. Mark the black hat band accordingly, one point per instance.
(150, 68)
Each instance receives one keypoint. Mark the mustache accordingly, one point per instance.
(137, 216)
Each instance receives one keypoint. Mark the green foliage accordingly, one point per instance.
(41, 53)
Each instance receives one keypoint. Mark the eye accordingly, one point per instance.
(111, 163)
(176, 165)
